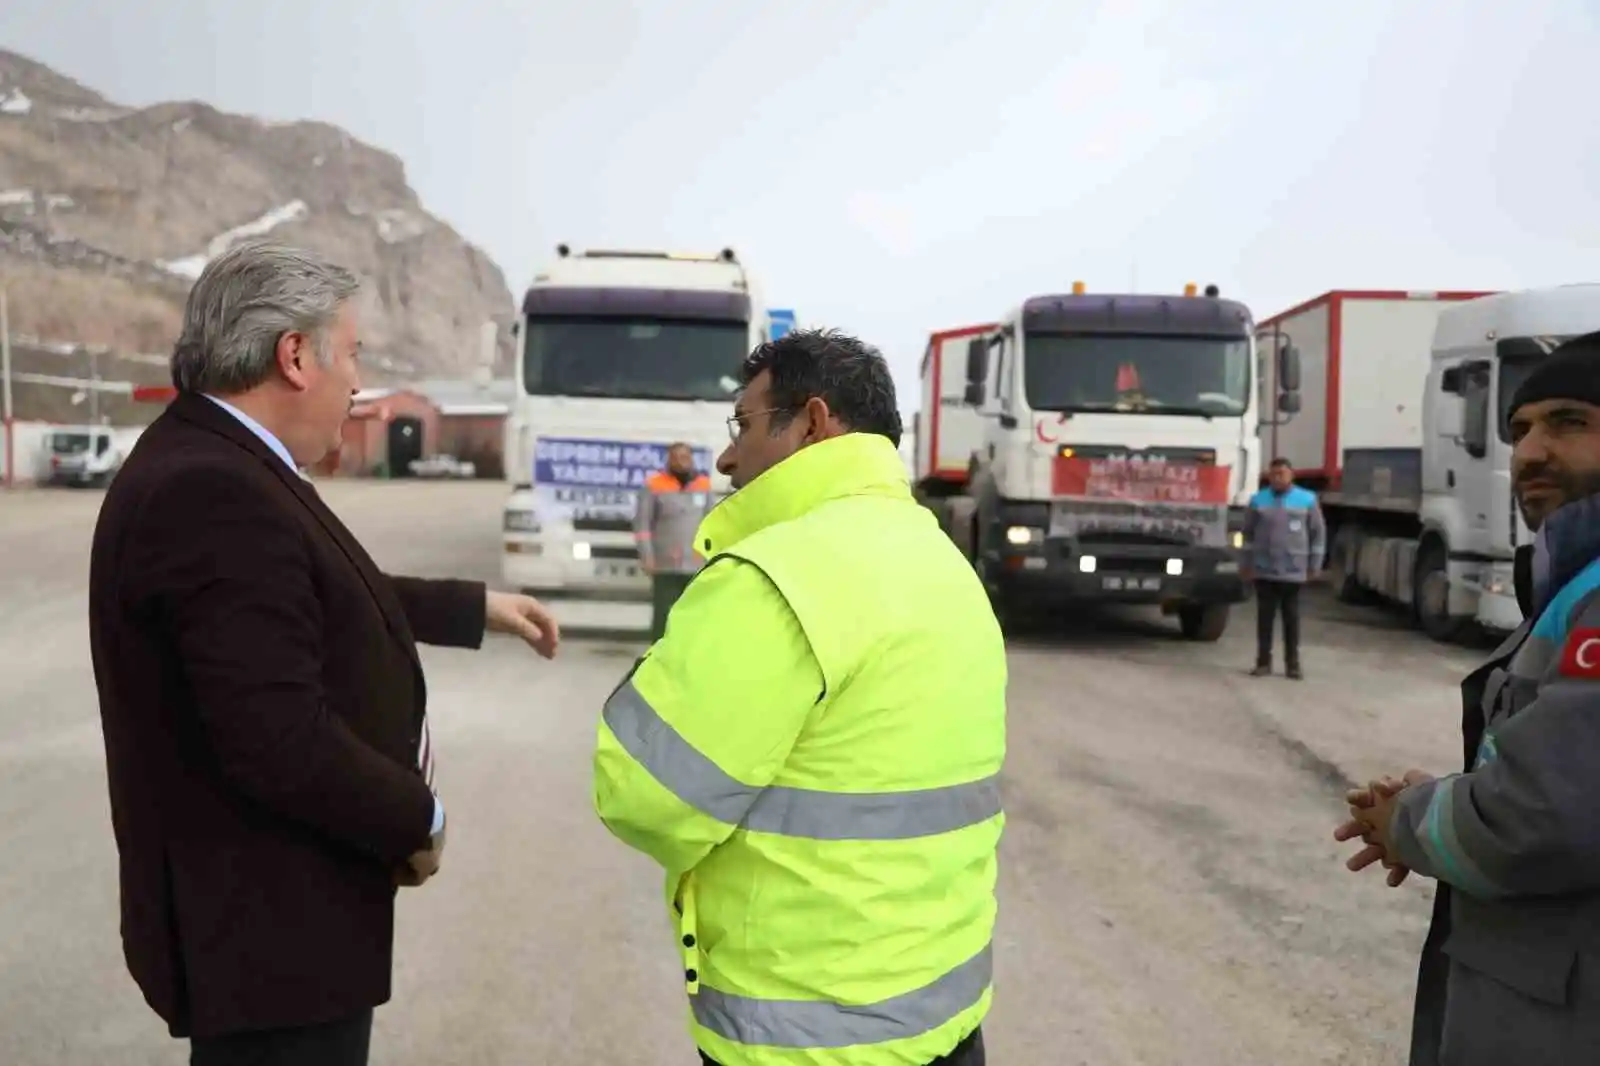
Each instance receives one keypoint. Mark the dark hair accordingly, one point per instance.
(1281, 461)
(850, 376)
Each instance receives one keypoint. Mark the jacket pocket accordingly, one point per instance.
(1538, 968)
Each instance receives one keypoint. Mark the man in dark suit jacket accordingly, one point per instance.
(262, 700)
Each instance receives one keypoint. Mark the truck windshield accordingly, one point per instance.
(633, 358)
(69, 443)
(1137, 374)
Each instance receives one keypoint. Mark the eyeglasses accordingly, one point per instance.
(737, 424)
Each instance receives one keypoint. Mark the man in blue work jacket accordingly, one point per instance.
(1285, 543)
(1513, 841)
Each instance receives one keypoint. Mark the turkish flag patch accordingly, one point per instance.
(1580, 656)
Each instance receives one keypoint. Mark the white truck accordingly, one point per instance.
(1400, 424)
(621, 354)
(84, 455)
(1097, 447)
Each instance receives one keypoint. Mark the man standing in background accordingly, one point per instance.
(1285, 542)
(671, 505)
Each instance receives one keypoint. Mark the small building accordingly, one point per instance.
(465, 420)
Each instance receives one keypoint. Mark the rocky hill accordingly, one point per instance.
(107, 213)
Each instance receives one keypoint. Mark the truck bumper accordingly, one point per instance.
(1497, 607)
(573, 566)
(1059, 572)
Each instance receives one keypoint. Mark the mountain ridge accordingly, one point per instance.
(108, 212)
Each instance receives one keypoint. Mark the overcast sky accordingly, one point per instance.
(932, 162)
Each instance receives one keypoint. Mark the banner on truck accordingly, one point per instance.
(577, 477)
(1142, 495)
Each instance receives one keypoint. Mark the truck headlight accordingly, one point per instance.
(1238, 540)
(521, 522)
(1022, 536)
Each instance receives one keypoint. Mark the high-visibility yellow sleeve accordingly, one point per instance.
(706, 720)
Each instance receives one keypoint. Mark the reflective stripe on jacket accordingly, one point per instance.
(813, 754)
(666, 517)
(1285, 535)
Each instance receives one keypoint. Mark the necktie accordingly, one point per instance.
(425, 753)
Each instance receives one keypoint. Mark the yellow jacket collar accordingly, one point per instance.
(855, 464)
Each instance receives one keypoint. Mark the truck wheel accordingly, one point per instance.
(1431, 596)
(1342, 568)
(1203, 621)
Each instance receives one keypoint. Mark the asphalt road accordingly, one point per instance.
(1170, 889)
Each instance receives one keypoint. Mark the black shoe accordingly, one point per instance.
(1262, 670)
(1293, 674)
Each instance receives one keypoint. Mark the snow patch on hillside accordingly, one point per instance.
(14, 102)
(27, 198)
(191, 266)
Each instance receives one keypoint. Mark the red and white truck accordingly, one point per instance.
(1097, 447)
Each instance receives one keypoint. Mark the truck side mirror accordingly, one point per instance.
(977, 370)
(1450, 380)
(1289, 368)
(1289, 403)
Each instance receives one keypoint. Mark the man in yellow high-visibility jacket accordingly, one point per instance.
(812, 751)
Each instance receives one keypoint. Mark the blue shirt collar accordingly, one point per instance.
(262, 432)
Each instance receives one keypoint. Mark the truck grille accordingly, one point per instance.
(1154, 540)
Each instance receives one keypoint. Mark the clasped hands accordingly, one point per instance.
(1371, 814)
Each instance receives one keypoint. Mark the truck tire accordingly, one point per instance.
(1203, 621)
(1341, 572)
(1431, 596)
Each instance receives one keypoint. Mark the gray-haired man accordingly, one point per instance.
(266, 736)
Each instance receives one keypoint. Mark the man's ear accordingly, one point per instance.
(294, 355)
(820, 423)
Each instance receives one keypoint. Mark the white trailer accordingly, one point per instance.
(1399, 422)
(1364, 359)
(947, 431)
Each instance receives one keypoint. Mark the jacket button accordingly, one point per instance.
(691, 975)
(688, 940)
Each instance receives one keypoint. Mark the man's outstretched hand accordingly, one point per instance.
(525, 617)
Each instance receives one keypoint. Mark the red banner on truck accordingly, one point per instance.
(1182, 500)
(1151, 479)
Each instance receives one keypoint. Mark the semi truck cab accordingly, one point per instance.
(1472, 525)
(1119, 453)
(623, 353)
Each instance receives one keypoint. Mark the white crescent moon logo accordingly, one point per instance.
(1584, 655)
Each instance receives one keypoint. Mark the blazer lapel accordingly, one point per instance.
(202, 412)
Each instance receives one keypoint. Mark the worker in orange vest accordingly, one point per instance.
(671, 505)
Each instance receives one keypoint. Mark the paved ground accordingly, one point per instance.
(1170, 893)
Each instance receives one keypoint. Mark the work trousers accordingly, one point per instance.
(1272, 598)
(967, 1053)
(665, 588)
(341, 1043)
